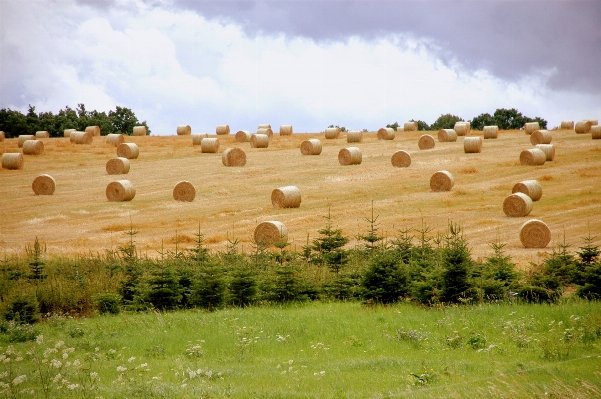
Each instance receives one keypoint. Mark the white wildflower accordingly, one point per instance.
(3, 375)
(131, 359)
(59, 344)
(76, 363)
(121, 369)
(56, 363)
(57, 378)
(19, 359)
(73, 386)
(20, 379)
(65, 356)
(39, 339)
(94, 375)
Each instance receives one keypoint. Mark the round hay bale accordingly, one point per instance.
(531, 188)
(2, 136)
(517, 205)
(120, 190)
(81, 137)
(355, 136)
(593, 121)
(535, 234)
(531, 127)
(548, 149)
(33, 147)
(139, 131)
(286, 197)
(43, 185)
(117, 166)
(243, 136)
(595, 132)
(197, 138)
(267, 233)
(233, 157)
(12, 160)
(93, 130)
(114, 139)
(264, 126)
(209, 145)
(386, 133)
(447, 135)
(401, 159)
(533, 157)
(349, 156)
(222, 130)
(442, 181)
(567, 125)
(426, 142)
(332, 133)
(266, 131)
(400, 128)
(583, 126)
(24, 137)
(472, 144)
(469, 126)
(286, 130)
(460, 128)
(42, 134)
(184, 191)
(259, 140)
(311, 147)
(490, 132)
(128, 150)
(541, 137)
(67, 132)
(410, 126)
(184, 130)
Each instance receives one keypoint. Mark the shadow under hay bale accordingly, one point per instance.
(43, 185)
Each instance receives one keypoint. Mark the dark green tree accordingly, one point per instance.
(482, 120)
(47, 122)
(243, 286)
(164, 289)
(131, 270)
(328, 247)
(385, 280)
(446, 121)
(13, 123)
(421, 125)
(372, 240)
(456, 263)
(509, 119)
(124, 119)
(33, 120)
(36, 264)
(393, 125)
(66, 119)
(209, 288)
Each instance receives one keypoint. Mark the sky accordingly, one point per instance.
(358, 64)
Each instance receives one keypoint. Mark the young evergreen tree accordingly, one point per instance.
(132, 271)
(208, 291)
(242, 286)
(385, 280)
(456, 262)
(36, 264)
(164, 289)
(328, 247)
(372, 240)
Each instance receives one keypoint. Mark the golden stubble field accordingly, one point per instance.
(231, 201)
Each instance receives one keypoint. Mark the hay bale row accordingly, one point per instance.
(568, 125)
(442, 181)
(311, 147)
(548, 149)
(350, 156)
(33, 147)
(120, 190)
(222, 130)
(43, 185)
(259, 140)
(531, 188)
(517, 205)
(583, 126)
(533, 157)
(426, 142)
(233, 157)
(139, 131)
(447, 135)
(42, 134)
(243, 136)
(12, 160)
(531, 127)
(355, 136)
(535, 234)
(461, 128)
(490, 132)
(24, 137)
(596, 132)
(81, 137)
(386, 133)
(269, 232)
(93, 130)
(184, 191)
(332, 133)
(197, 138)
(128, 150)
(472, 144)
(67, 132)
(115, 139)
(401, 159)
(286, 130)
(209, 145)
(541, 137)
(410, 126)
(266, 131)
(184, 130)
(286, 197)
(117, 166)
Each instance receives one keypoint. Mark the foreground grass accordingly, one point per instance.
(336, 350)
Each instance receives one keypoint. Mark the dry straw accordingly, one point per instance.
(386, 133)
(442, 181)
(42, 134)
(120, 190)
(266, 131)
(286, 197)
(222, 130)
(81, 137)
(535, 234)
(401, 159)
(594, 121)
(461, 128)
(12, 160)
(531, 188)
(2, 136)
(233, 157)
(490, 132)
(139, 131)
(541, 137)
(270, 232)
(117, 166)
(209, 145)
(264, 126)
(114, 139)
(128, 150)
(311, 147)
(285, 130)
(33, 147)
(400, 128)
(583, 126)
(24, 137)
(517, 205)
(548, 149)
(447, 135)
(184, 130)
(567, 125)
(43, 185)
(243, 136)
(332, 133)
(410, 126)
(259, 140)
(426, 142)
(67, 132)
(531, 127)
(355, 136)
(349, 156)
(93, 130)
(533, 157)
(472, 144)
(184, 191)
(197, 138)
(596, 132)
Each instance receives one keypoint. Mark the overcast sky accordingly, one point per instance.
(358, 64)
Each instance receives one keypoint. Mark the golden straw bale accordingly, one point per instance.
(23, 137)
(469, 126)
(541, 137)
(12, 160)
(400, 128)
(286, 197)
(259, 140)
(33, 147)
(401, 159)
(332, 133)
(535, 234)
(184, 191)
(209, 145)
(120, 190)
(93, 130)
(222, 130)
(117, 166)
(583, 126)
(264, 126)
(490, 132)
(355, 136)
(596, 132)
(311, 147)
(285, 130)
(472, 144)
(442, 181)
(593, 121)
(139, 131)
(42, 134)
(548, 149)
(533, 156)
(184, 130)
(531, 188)
(410, 126)
(233, 157)
(349, 156)
(114, 139)
(81, 137)
(128, 150)
(43, 185)
(460, 128)
(385, 133)
(67, 132)
(447, 135)
(197, 138)
(2, 136)
(426, 142)
(266, 131)
(567, 125)
(267, 233)
(531, 127)
(517, 205)
(243, 136)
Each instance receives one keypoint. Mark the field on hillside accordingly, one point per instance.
(231, 201)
